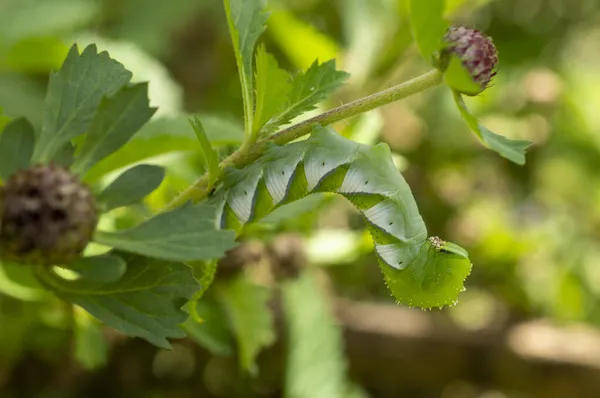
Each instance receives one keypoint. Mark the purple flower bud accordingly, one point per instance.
(476, 51)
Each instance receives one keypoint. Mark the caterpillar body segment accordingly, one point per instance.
(419, 271)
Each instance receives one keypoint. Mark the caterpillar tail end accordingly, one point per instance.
(433, 278)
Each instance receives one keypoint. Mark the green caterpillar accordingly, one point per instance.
(420, 271)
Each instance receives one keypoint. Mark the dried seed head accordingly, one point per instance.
(284, 254)
(240, 257)
(288, 256)
(476, 52)
(47, 216)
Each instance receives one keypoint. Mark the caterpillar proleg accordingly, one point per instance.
(419, 271)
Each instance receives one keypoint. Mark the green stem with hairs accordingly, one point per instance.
(249, 153)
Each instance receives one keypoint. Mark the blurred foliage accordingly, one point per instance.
(532, 231)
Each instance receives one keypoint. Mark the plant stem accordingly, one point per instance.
(416, 85)
(247, 154)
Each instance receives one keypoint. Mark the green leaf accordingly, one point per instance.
(428, 25)
(219, 130)
(455, 249)
(118, 118)
(458, 78)
(66, 156)
(250, 318)
(369, 27)
(4, 120)
(150, 23)
(513, 150)
(184, 234)
(300, 41)
(209, 155)
(74, 94)
(16, 146)
(457, 6)
(316, 366)
(308, 89)
(213, 332)
(247, 20)
(131, 186)
(146, 302)
(91, 348)
(204, 272)
(273, 87)
(19, 321)
(17, 281)
(167, 135)
(36, 54)
(22, 96)
(26, 19)
(102, 268)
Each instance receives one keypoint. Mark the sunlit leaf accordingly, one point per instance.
(17, 281)
(457, 77)
(36, 54)
(102, 268)
(570, 298)
(301, 42)
(132, 186)
(91, 347)
(272, 88)
(454, 6)
(428, 25)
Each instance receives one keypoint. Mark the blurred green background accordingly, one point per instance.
(527, 325)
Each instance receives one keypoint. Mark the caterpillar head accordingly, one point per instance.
(432, 277)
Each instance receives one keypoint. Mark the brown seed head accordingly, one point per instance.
(47, 216)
